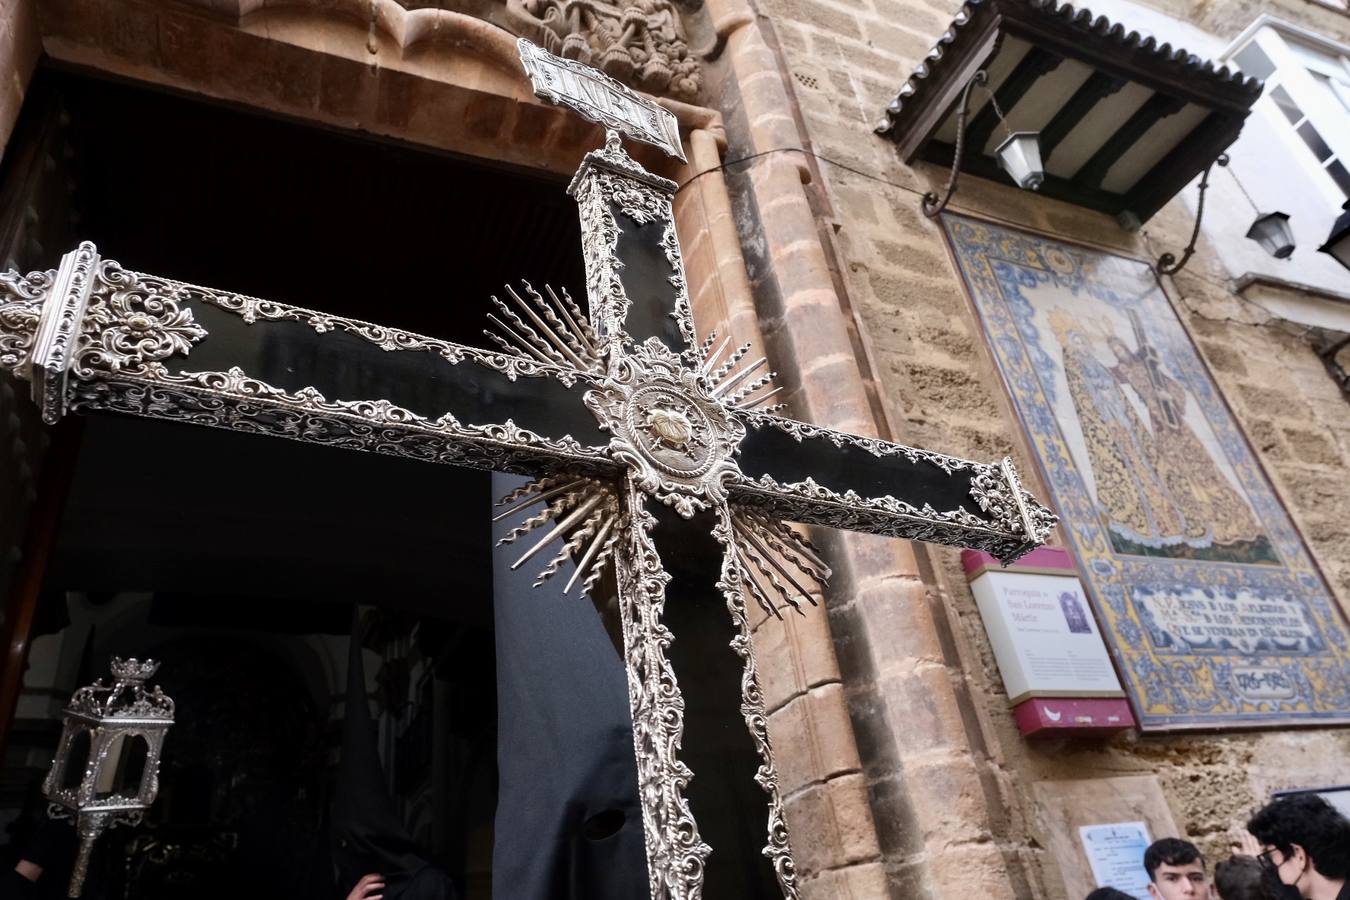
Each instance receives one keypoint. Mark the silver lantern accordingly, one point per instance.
(106, 768)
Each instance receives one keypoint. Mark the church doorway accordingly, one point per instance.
(172, 536)
(242, 564)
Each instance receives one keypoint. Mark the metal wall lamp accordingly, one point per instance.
(1270, 230)
(1338, 242)
(1019, 155)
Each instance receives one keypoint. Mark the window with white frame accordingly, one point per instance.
(1308, 82)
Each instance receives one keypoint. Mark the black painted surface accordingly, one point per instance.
(646, 280)
(342, 366)
(769, 451)
(730, 808)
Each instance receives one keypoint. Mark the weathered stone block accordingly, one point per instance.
(824, 16)
(897, 620)
(921, 707)
(1312, 447)
(901, 43)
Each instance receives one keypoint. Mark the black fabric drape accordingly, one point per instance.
(568, 823)
(368, 834)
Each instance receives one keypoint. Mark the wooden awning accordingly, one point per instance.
(1125, 122)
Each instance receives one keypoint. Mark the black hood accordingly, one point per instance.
(367, 832)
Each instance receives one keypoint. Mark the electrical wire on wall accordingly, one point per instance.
(1271, 319)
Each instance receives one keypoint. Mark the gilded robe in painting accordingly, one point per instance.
(1202, 587)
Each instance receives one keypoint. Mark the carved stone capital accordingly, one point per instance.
(639, 42)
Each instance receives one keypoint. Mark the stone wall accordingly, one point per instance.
(20, 47)
(843, 62)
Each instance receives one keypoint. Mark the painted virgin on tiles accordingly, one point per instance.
(1214, 609)
(1154, 467)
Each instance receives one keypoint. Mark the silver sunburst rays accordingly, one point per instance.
(721, 384)
(582, 516)
(769, 548)
(583, 513)
(554, 331)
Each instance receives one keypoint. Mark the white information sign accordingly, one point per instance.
(1116, 854)
(1044, 637)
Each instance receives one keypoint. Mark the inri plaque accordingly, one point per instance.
(595, 96)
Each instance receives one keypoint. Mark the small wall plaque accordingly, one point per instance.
(1116, 854)
(1054, 662)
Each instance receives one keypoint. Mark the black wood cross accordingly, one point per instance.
(624, 420)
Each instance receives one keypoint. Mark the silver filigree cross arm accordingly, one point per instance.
(611, 409)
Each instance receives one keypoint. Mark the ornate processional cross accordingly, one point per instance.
(609, 414)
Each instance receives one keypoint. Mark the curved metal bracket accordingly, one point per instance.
(932, 204)
(1168, 264)
(1330, 358)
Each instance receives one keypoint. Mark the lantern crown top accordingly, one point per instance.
(127, 698)
(133, 670)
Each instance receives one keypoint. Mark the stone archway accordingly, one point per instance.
(434, 76)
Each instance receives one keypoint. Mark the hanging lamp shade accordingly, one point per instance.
(1338, 242)
(1271, 231)
(1020, 157)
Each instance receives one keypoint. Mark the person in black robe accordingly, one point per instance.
(568, 823)
(372, 850)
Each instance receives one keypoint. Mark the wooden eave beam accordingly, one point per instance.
(1031, 68)
(1185, 161)
(1094, 90)
(922, 114)
(1155, 109)
(975, 45)
(1107, 55)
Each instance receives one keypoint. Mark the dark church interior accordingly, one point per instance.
(238, 562)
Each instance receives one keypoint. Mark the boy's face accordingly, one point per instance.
(1183, 882)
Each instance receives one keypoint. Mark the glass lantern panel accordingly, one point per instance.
(1340, 175)
(77, 760)
(123, 767)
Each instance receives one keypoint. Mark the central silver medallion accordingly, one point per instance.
(670, 425)
(667, 424)
(674, 433)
